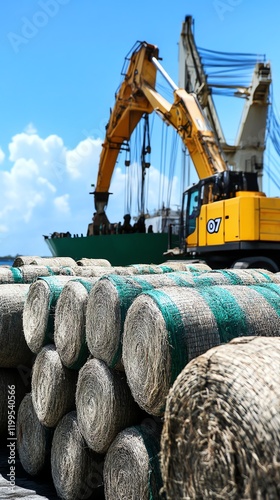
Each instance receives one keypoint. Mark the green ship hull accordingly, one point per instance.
(119, 249)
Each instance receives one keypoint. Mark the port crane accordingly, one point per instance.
(226, 220)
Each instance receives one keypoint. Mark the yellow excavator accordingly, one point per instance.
(226, 220)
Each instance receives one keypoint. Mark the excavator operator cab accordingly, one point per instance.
(218, 187)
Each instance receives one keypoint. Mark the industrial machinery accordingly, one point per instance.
(226, 220)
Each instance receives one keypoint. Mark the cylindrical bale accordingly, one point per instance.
(54, 261)
(70, 321)
(235, 277)
(221, 435)
(110, 299)
(33, 439)
(13, 347)
(77, 471)
(132, 466)
(39, 310)
(108, 304)
(22, 260)
(92, 271)
(166, 328)
(52, 387)
(13, 388)
(147, 268)
(94, 262)
(10, 275)
(104, 404)
(183, 265)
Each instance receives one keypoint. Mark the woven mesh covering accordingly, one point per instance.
(70, 320)
(93, 262)
(33, 439)
(181, 265)
(52, 387)
(10, 275)
(147, 268)
(77, 471)
(13, 388)
(166, 328)
(104, 405)
(131, 468)
(22, 260)
(39, 310)
(54, 261)
(221, 436)
(13, 347)
(108, 303)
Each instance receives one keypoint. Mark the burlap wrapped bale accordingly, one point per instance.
(10, 275)
(52, 387)
(147, 268)
(132, 467)
(22, 260)
(70, 320)
(104, 404)
(93, 262)
(13, 387)
(221, 436)
(33, 439)
(39, 310)
(107, 306)
(166, 328)
(184, 265)
(54, 261)
(110, 299)
(13, 347)
(77, 471)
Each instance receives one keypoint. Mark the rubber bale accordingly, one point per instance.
(70, 321)
(94, 262)
(221, 434)
(13, 388)
(104, 404)
(77, 471)
(52, 387)
(132, 466)
(166, 328)
(33, 439)
(13, 347)
(39, 310)
(108, 303)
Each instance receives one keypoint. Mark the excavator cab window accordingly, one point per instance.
(191, 208)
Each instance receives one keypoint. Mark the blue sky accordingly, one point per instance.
(60, 67)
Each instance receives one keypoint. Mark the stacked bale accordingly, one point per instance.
(23, 260)
(14, 350)
(166, 328)
(77, 471)
(132, 467)
(184, 265)
(52, 387)
(70, 320)
(93, 262)
(221, 435)
(39, 310)
(104, 405)
(54, 261)
(33, 439)
(112, 296)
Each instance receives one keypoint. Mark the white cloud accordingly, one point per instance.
(30, 129)
(46, 189)
(61, 203)
(2, 155)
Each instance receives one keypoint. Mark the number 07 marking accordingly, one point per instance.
(213, 225)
